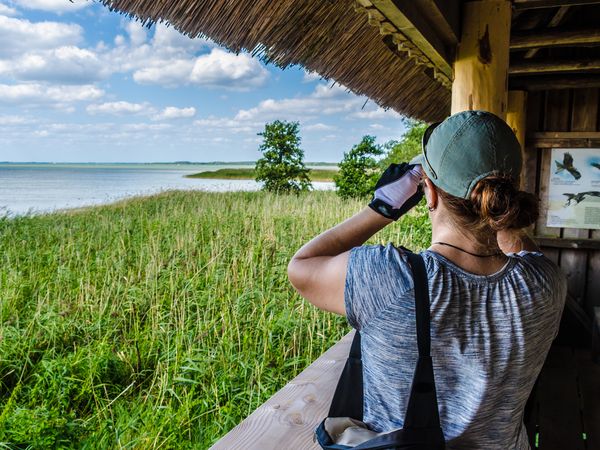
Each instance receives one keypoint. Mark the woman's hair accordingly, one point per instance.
(495, 203)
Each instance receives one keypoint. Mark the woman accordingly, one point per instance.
(496, 301)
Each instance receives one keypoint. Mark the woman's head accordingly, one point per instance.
(494, 204)
(473, 163)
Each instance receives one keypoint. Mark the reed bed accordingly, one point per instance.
(159, 322)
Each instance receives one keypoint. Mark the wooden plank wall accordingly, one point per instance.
(570, 111)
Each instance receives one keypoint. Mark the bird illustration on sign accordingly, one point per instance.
(567, 165)
(579, 197)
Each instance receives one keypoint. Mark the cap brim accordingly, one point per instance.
(417, 159)
(427, 134)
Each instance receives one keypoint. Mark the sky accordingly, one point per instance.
(79, 83)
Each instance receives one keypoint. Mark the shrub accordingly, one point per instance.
(282, 169)
(407, 148)
(358, 172)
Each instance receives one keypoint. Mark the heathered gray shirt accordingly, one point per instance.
(489, 337)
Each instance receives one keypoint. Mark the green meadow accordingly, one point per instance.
(159, 322)
(247, 173)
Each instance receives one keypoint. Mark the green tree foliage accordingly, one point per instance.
(358, 172)
(281, 168)
(407, 147)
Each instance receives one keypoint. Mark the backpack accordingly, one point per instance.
(344, 429)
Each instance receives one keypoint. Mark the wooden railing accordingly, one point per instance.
(288, 419)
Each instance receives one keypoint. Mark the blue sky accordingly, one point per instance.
(79, 83)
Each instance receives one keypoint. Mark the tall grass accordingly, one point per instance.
(159, 322)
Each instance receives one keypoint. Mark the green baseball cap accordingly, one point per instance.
(467, 147)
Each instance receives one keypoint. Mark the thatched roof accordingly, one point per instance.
(331, 37)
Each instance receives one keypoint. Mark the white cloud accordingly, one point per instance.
(171, 112)
(146, 126)
(6, 10)
(223, 124)
(37, 94)
(377, 114)
(319, 127)
(20, 36)
(13, 120)
(137, 33)
(218, 68)
(118, 108)
(168, 39)
(309, 77)
(62, 65)
(57, 6)
(323, 100)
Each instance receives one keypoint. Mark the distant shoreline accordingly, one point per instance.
(248, 174)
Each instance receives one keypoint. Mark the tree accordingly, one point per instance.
(358, 172)
(407, 148)
(282, 169)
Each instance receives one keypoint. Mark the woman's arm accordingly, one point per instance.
(318, 270)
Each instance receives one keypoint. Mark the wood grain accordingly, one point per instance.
(555, 139)
(574, 262)
(481, 66)
(288, 419)
(556, 119)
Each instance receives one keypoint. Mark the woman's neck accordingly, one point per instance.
(464, 246)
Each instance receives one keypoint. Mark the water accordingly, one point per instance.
(40, 188)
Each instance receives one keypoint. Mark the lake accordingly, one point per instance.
(39, 188)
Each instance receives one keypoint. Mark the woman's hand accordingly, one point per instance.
(318, 270)
(397, 190)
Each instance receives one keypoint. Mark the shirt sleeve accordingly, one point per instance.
(377, 275)
(552, 278)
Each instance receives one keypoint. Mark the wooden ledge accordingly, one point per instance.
(289, 418)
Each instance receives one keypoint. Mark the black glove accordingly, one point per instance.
(398, 190)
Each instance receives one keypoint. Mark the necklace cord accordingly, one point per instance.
(468, 252)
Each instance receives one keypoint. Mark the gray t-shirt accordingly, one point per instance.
(489, 338)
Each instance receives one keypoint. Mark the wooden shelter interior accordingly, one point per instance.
(426, 59)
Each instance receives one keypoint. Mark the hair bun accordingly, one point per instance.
(501, 205)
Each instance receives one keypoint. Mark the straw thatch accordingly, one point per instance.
(329, 37)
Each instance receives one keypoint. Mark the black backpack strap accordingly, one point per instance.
(348, 397)
(422, 410)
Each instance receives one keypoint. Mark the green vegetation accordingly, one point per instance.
(247, 173)
(159, 322)
(359, 172)
(282, 169)
(407, 147)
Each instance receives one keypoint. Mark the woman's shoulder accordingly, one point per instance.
(540, 270)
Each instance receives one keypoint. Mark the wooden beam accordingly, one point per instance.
(554, 38)
(566, 139)
(554, 22)
(411, 23)
(549, 82)
(577, 244)
(481, 66)
(444, 16)
(534, 4)
(550, 66)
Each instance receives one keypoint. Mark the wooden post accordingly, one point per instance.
(516, 115)
(516, 118)
(481, 66)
